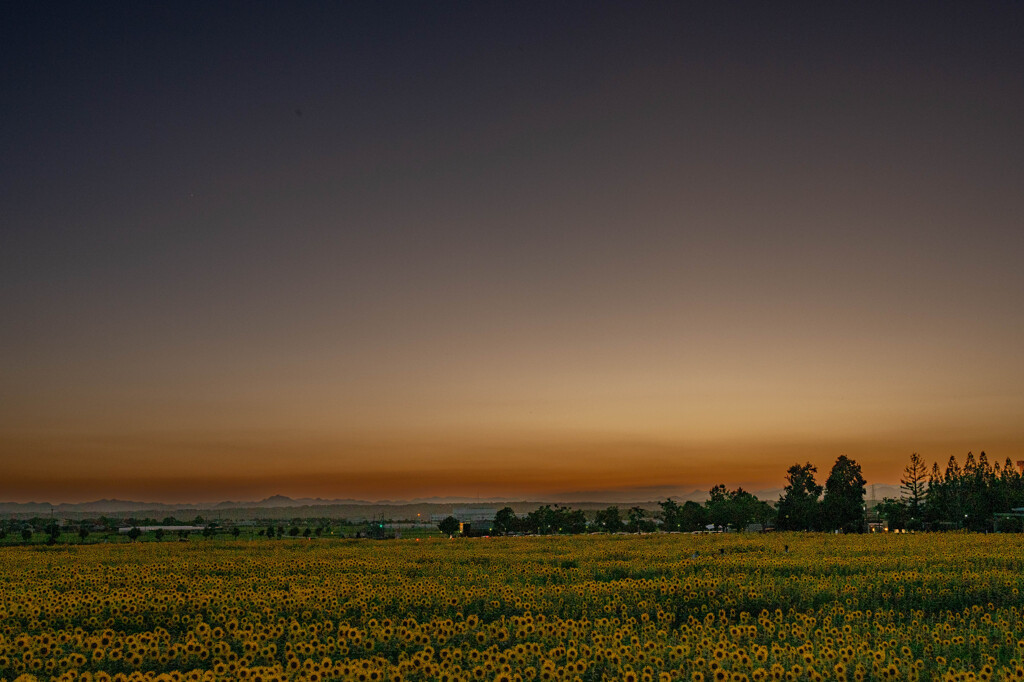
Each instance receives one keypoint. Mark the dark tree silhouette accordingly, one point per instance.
(720, 493)
(895, 512)
(609, 520)
(505, 521)
(844, 496)
(671, 515)
(638, 521)
(693, 516)
(574, 521)
(969, 497)
(736, 508)
(449, 526)
(542, 520)
(799, 506)
(914, 486)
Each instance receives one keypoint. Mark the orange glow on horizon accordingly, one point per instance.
(529, 469)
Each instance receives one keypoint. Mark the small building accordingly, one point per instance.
(474, 515)
(1015, 515)
(472, 520)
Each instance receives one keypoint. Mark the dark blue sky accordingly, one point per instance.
(684, 233)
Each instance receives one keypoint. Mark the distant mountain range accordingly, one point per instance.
(272, 502)
(588, 498)
(121, 506)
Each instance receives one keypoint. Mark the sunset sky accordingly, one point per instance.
(396, 250)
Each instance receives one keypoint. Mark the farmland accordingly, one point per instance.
(649, 607)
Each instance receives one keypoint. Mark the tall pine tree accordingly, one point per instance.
(913, 485)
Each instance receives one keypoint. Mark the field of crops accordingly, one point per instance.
(653, 607)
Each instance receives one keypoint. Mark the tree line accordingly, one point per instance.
(49, 531)
(960, 497)
(800, 508)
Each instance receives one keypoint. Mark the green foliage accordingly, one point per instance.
(799, 507)
(693, 516)
(574, 521)
(505, 521)
(968, 497)
(638, 521)
(540, 520)
(844, 497)
(896, 512)
(683, 606)
(609, 520)
(914, 487)
(449, 525)
(736, 509)
(549, 519)
(720, 493)
(671, 514)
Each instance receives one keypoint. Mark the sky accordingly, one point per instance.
(525, 250)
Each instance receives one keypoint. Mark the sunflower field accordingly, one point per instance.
(647, 607)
